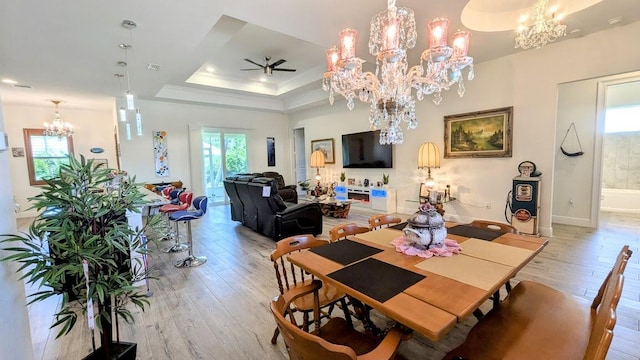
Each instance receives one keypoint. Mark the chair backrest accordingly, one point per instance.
(200, 203)
(378, 221)
(287, 274)
(167, 191)
(175, 193)
(186, 197)
(343, 230)
(618, 268)
(605, 320)
(300, 344)
(604, 304)
(150, 187)
(277, 176)
(492, 225)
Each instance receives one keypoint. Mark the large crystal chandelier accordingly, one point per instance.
(57, 127)
(545, 28)
(392, 32)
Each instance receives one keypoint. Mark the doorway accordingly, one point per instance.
(223, 154)
(620, 191)
(300, 159)
(578, 180)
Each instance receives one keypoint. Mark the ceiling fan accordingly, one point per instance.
(268, 68)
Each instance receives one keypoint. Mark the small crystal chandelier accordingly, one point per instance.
(392, 32)
(58, 127)
(546, 27)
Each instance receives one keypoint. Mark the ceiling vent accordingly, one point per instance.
(153, 67)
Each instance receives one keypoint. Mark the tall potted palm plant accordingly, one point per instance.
(80, 247)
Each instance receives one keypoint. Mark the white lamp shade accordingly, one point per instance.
(317, 159)
(428, 156)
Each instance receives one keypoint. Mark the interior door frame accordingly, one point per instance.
(601, 107)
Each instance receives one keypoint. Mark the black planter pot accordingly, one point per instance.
(123, 351)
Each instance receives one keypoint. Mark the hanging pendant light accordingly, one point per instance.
(123, 114)
(130, 102)
(129, 94)
(138, 122)
(128, 128)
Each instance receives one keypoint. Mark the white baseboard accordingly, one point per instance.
(565, 220)
(629, 211)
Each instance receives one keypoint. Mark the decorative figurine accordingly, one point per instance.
(425, 229)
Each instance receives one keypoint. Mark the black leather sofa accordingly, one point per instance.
(264, 210)
(287, 192)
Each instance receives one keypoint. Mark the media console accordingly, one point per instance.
(376, 198)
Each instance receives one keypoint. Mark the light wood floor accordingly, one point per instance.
(220, 310)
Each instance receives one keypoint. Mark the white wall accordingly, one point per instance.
(572, 201)
(15, 337)
(528, 81)
(93, 128)
(184, 158)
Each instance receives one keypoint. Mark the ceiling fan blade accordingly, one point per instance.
(277, 63)
(284, 70)
(254, 63)
(249, 69)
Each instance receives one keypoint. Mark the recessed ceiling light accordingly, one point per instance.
(129, 24)
(263, 79)
(575, 32)
(121, 63)
(210, 69)
(9, 81)
(124, 46)
(615, 20)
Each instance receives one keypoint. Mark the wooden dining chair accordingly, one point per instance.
(335, 340)
(379, 221)
(290, 277)
(492, 225)
(540, 322)
(341, 231)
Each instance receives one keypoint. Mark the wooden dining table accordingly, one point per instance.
(428, 295)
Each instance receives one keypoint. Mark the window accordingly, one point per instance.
(622, 119)
(45, 154)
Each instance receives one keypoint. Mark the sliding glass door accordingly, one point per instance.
(224, 154)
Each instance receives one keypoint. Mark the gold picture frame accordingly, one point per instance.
(480, 134)
(326, 146)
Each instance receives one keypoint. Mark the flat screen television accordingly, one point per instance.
(363, 150)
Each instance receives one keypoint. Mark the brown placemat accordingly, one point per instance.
(376, 279)
(474, 232)
(345, 252)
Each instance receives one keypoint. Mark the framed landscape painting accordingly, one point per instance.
(479, 134)
(326, 146)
